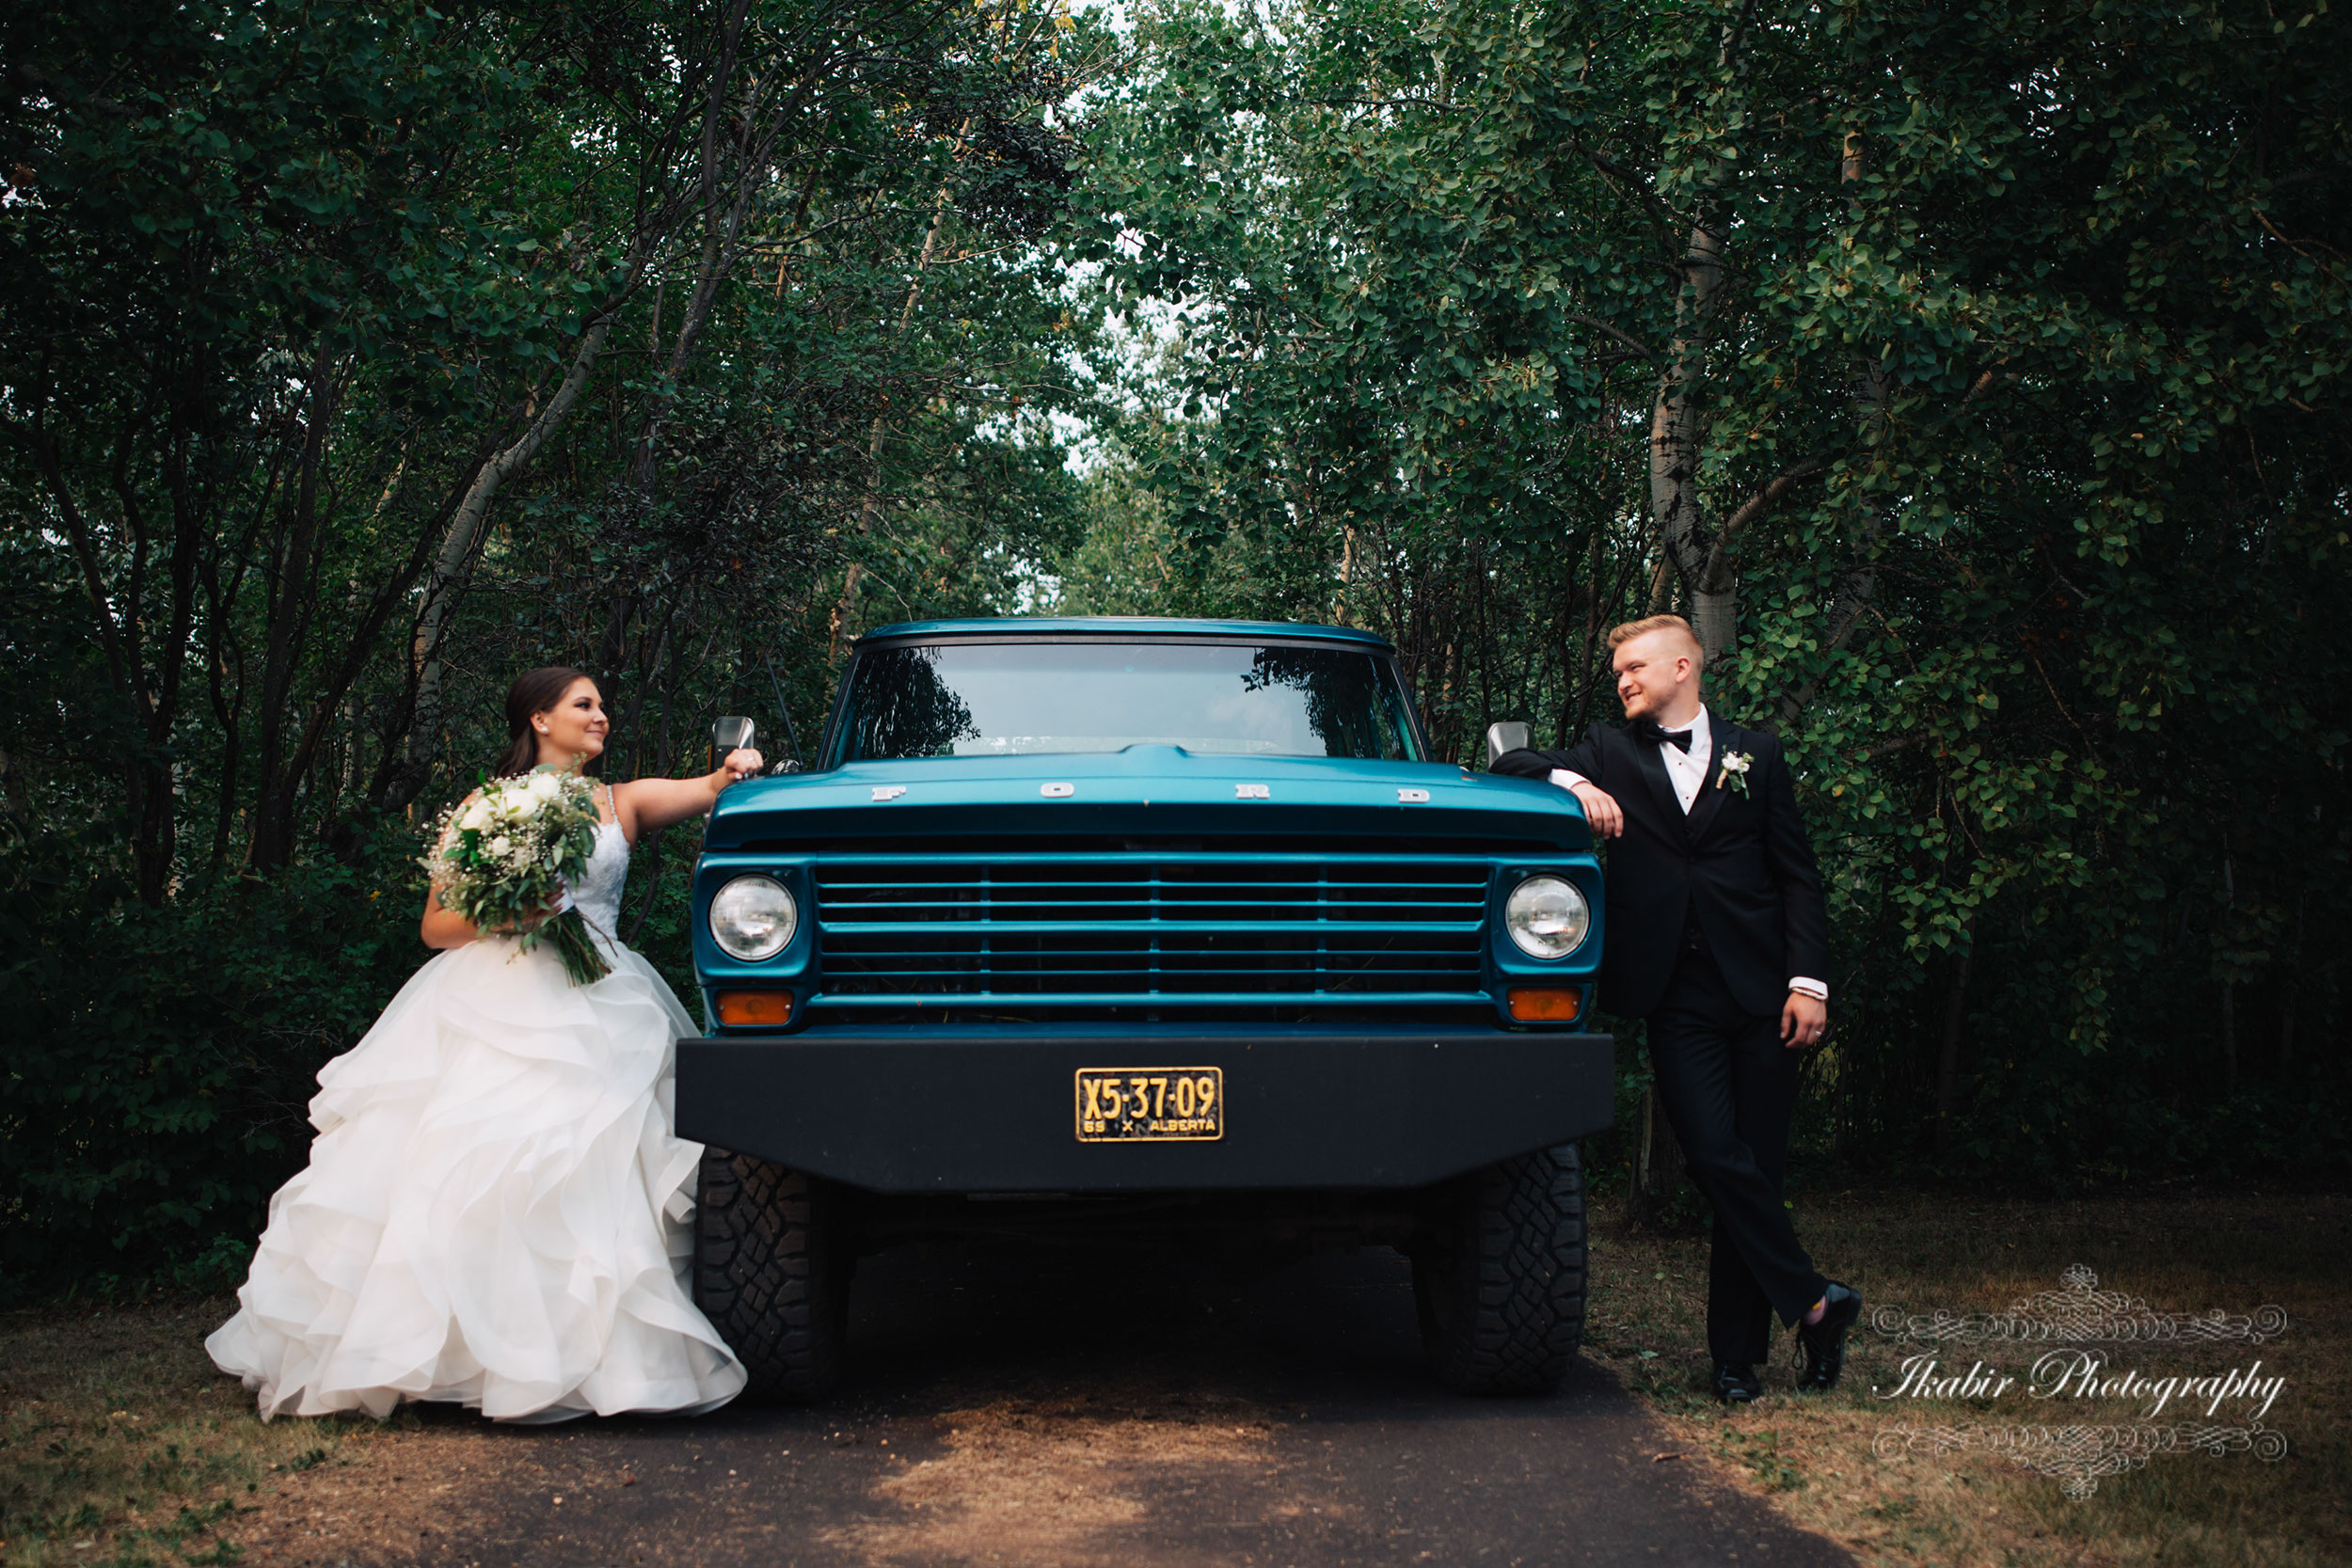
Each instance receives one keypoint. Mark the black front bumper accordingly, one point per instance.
(988, 1109)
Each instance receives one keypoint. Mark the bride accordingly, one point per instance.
(495, 1209)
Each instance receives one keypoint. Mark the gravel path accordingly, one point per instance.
(1043, 1410)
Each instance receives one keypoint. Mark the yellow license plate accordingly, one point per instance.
(1136, 1104)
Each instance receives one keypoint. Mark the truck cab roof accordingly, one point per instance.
(1118, 625)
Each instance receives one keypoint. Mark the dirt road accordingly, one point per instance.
(1049, 1410)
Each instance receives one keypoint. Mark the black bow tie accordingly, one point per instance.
(1662, 736)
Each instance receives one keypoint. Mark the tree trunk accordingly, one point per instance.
(289, 626)
(1677, 434)
(191, 517)
(1658, 1169)
(2294, 969)
(870, 511)
(1947, 1060)
(2229, 988)
(2229, 1038)
(118, 636)
(453, 564)
(1854, 592)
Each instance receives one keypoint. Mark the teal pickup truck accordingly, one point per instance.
(1107, 927)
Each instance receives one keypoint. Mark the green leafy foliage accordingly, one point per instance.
(360, 358)
(1975, 377)
(158, 1061)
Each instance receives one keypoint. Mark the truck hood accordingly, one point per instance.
(1150, 791)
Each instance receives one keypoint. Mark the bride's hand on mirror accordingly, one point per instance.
(741, 764)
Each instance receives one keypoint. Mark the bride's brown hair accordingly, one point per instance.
(535, 691)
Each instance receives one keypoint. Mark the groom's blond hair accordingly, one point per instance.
(1647, 624)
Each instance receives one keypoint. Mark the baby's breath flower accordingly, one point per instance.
(499, 861)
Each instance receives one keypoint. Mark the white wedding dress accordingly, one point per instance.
(495, 1209)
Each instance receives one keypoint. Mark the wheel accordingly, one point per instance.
(1500, 1275)
(772, 1275)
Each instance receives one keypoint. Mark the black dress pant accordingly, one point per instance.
(1729, 1089)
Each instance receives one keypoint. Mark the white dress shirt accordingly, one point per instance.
(1687, 770)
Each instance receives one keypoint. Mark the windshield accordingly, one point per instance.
(1007, 699)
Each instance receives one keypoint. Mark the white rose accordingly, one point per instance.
(501, 845)
(476, 817)
(546, 786)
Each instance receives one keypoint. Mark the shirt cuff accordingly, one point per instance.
(1565, 779)
(1811, 987)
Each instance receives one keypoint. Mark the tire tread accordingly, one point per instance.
(770, 1275)
(1502, 1292)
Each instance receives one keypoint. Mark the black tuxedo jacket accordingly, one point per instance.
(1741, 863)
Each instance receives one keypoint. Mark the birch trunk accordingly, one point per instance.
(1677, 433)
(869, 509)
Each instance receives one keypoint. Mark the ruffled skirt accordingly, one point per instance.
(495, 1211)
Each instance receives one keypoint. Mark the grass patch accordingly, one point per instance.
(2183, 1251)
(121, 1445)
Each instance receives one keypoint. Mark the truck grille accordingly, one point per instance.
(1060, 929)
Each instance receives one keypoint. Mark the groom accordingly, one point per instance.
(1716, 930)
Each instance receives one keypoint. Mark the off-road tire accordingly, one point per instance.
(1500, 1275)
(771, 1272)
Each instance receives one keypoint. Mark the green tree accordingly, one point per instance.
(358, 357)
(1974, 379)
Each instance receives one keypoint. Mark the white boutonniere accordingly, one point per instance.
(1735, 771)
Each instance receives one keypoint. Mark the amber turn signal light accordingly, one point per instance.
(1545, 1004)
(754, 1007)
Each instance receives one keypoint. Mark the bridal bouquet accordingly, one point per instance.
(500, 858)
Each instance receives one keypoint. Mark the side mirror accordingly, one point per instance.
(731, 731)
(1507, 736)
(789, 765)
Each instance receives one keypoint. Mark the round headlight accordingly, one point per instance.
(1547, 917)
(754, 918)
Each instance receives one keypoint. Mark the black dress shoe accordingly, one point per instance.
(1736, 1383)
(1824, 1342)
